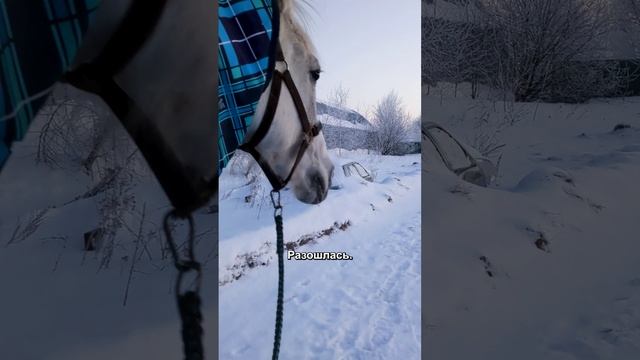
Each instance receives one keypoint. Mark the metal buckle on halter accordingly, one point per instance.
(286, 66)
(313, 132)
(315, 129)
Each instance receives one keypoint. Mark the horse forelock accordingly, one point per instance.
(293, 13)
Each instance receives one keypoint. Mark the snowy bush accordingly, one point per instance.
(531, 50)
(453, 51)
(82, 137)
(391, 123)
(536, 41)
(633, 9)
(243, 166)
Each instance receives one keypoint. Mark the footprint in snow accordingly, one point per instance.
(348, 340)
(382, 334)
(393, 314)
(302, 298)
(404, 266)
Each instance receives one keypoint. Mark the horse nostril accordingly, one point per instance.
(331, 175)
(317, 181)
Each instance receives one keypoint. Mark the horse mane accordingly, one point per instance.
(293, 13)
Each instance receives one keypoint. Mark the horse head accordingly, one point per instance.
(311, 176)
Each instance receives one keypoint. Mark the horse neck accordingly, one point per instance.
(157, 77)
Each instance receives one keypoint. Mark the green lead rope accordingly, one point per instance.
(277, 215)
(188, 301)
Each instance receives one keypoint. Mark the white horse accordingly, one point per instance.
(311, 179)
(173, 79)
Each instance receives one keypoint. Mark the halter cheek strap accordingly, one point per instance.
(308, 131)
(186, 192)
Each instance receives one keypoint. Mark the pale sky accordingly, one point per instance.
(370, 46)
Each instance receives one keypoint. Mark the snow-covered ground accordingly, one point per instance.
(365, 308)
(546, 263)
(60, 302)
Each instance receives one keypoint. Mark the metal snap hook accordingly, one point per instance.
(275, 199)
(315, 129)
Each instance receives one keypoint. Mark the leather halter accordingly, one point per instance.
(185, 192)
(308, 131)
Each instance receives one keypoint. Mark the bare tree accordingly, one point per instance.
(538, 45)
(630, 16)
(528, 49)
(453, 51)
(390, 121)
(338, 98)
(633, 10)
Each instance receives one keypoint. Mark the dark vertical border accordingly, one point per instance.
(213, 282)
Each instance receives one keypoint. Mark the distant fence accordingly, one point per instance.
(347, 138)
(353, 139)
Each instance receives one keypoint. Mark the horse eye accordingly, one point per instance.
(315, 74)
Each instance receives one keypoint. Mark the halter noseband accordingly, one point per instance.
(308, 131)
